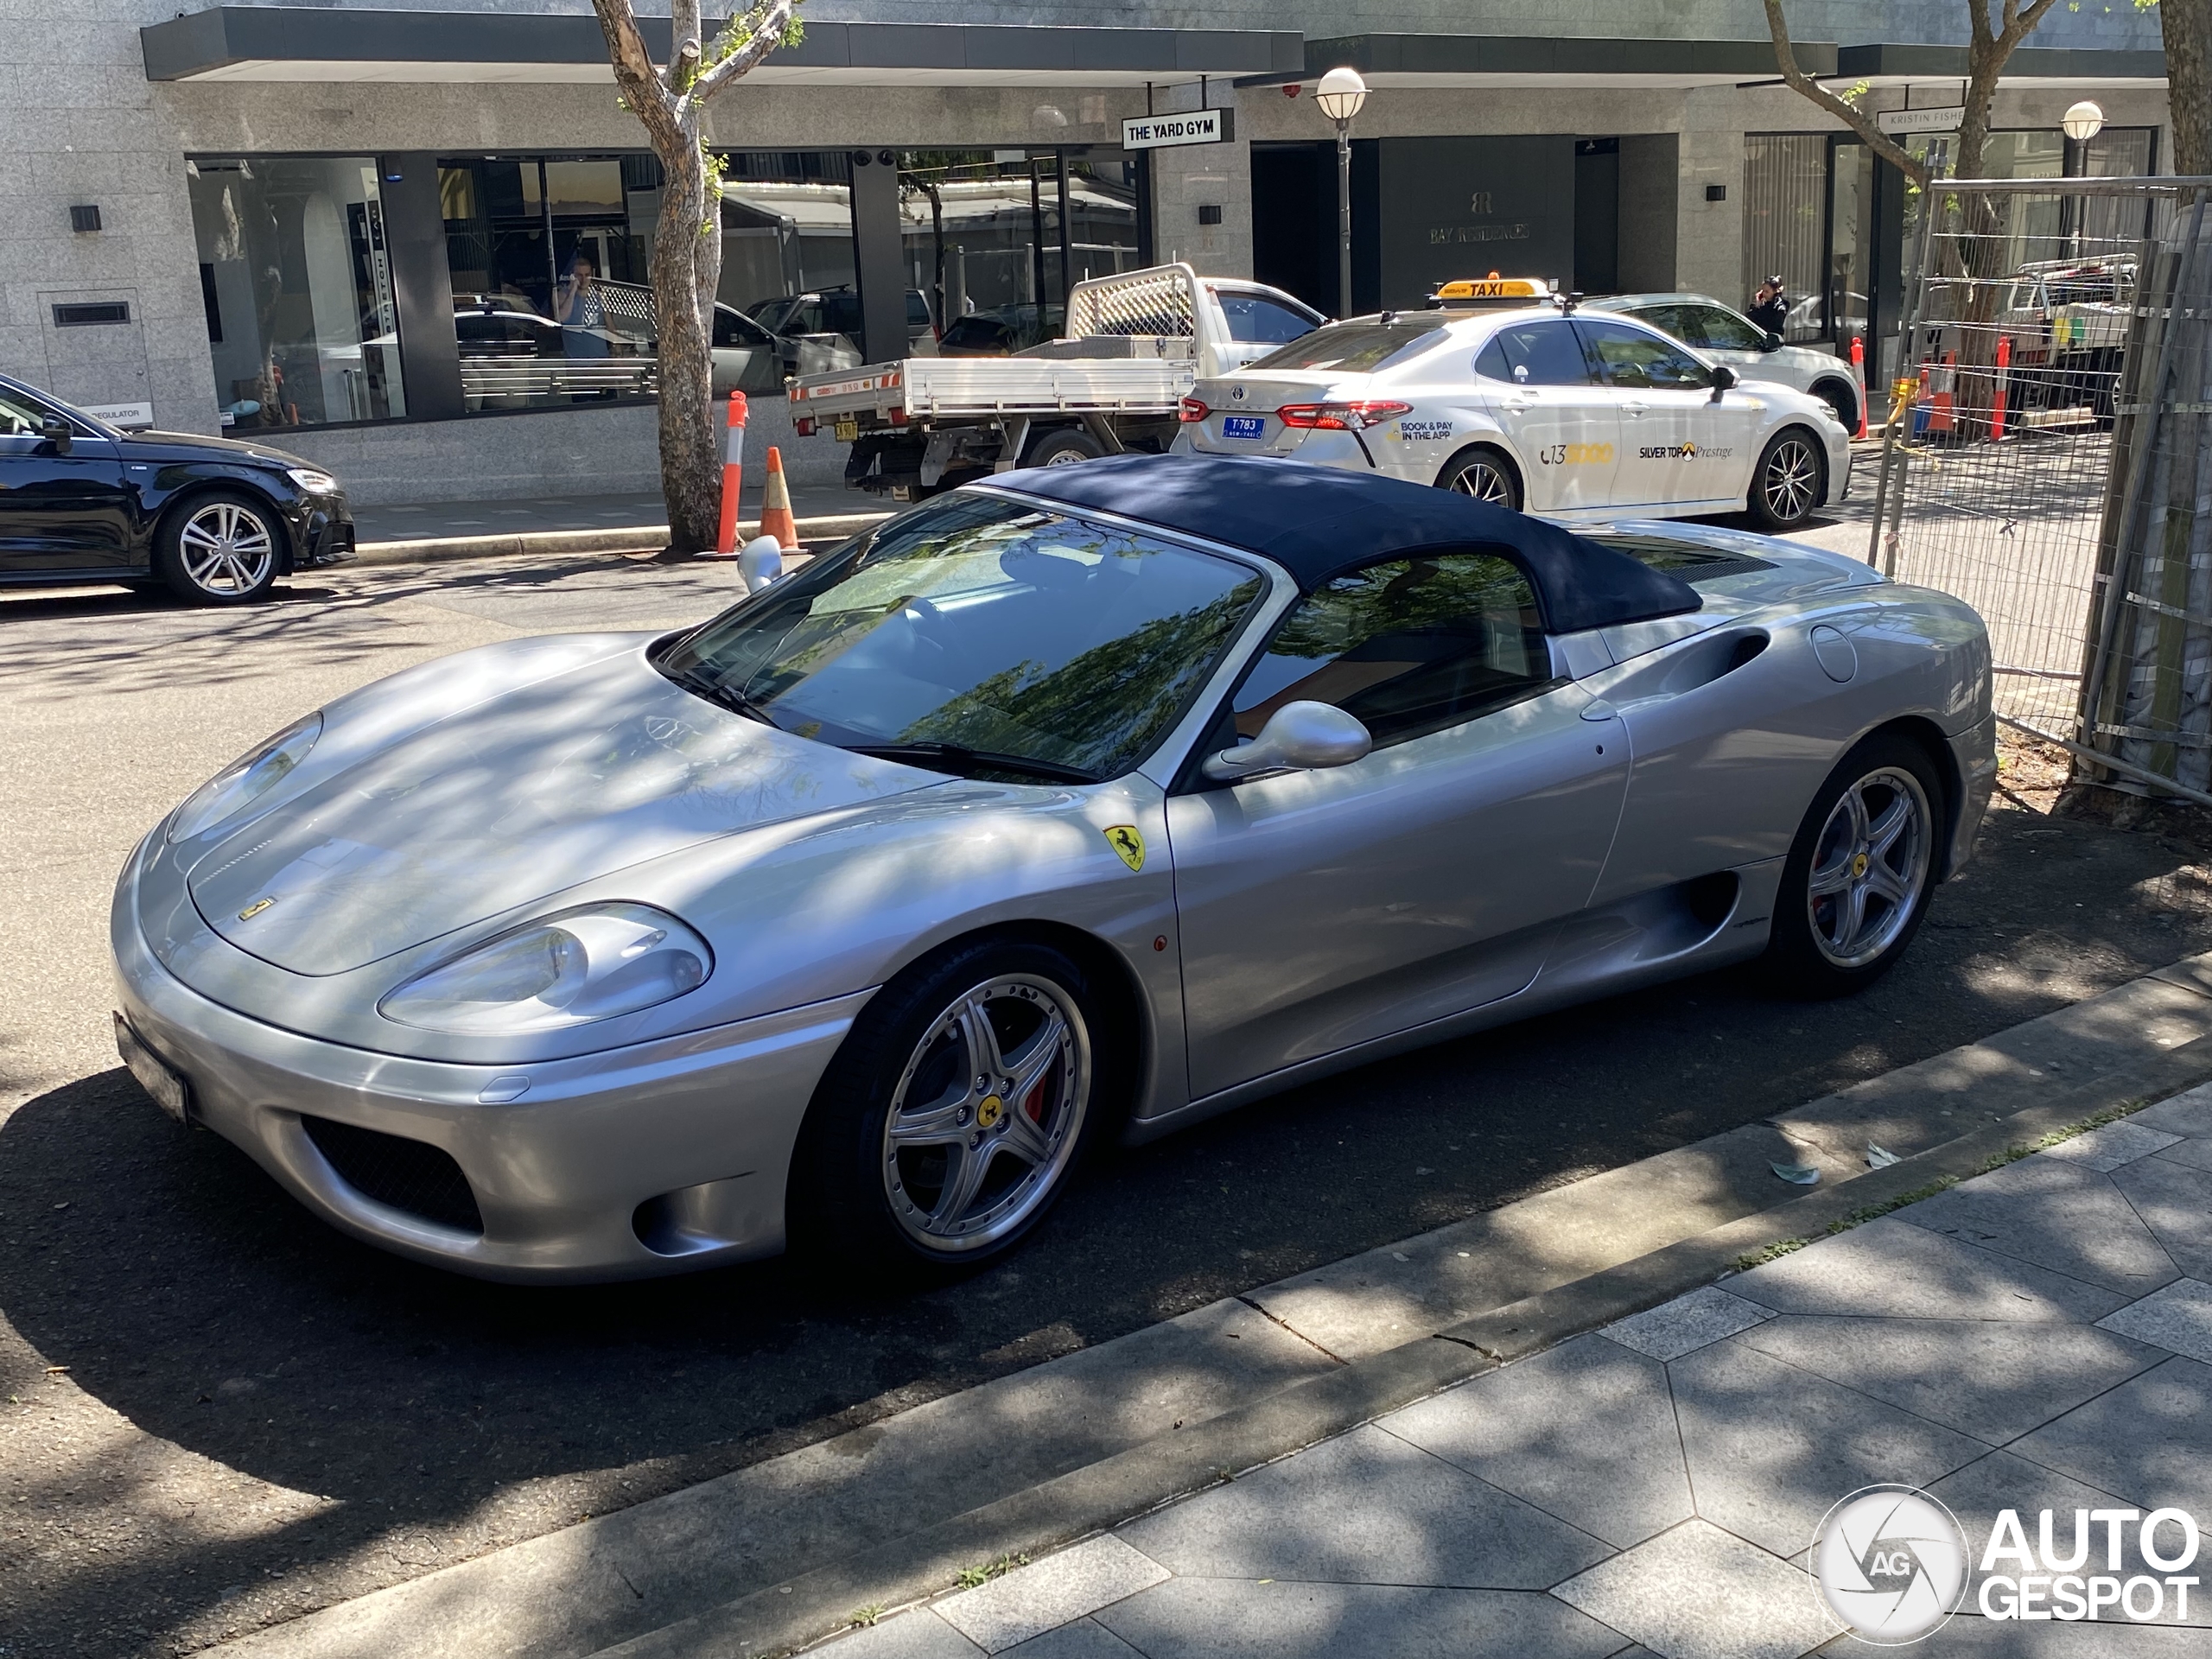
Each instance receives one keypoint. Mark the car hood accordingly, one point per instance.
(192, 446)
(508, 802)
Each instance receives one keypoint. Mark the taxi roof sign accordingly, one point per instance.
(1494, 287)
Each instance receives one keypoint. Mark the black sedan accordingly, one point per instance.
(215, 519)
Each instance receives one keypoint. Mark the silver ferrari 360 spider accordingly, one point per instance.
(1085, 803)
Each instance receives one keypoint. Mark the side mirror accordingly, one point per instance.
(57, 432)
(1720, 379)
(1771, 343)
(1298, 737)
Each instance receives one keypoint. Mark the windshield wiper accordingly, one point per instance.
(955, 757)
(725, 696)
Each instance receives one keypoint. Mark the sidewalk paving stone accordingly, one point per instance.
(919, 1634)
(1895, 1268)
(1084, 1639)
(2188, 1113)
(1690, 1322)
(2173, 1201)
(1700, 1592)
(2112, 1147)
(1365, 1509)
(2148, 1440)
(1992, 1381)
(2056, 1214)
(1770, 1448)
(1217, 1619)
(2176, 1317)
(1064, 1586)
(1526, 1428)
(2194, 1153)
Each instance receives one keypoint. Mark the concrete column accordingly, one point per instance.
(1709, 235)
(1203, 175)
(422, 291)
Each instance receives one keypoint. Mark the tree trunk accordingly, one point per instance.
(2187, 26)
(686, 270)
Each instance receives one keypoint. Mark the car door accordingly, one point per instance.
(1680, 446)
(1256, 325)
(1538, 385)
(1322, 910)
(64, 504)
(1718, 334)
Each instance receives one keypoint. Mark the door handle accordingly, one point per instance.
(1633, 409)
(1516, 406)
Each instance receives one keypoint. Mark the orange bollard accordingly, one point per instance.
(1858, 374)
(1943, 403)
(2003, 373)
(776, 518)
(733, 472)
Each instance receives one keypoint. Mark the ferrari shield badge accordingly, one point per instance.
(1124, 839)
(989, 1111)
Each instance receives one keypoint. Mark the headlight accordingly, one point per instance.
(564, 970)
(313, 482)
(230, 791)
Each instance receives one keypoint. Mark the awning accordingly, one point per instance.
(1559, 60)
(318, 43)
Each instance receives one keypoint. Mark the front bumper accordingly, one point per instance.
(323, 531)
(649, 1159)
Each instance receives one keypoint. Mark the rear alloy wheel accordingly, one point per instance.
(1789, 480)
(1484, 474)
(1064, 448)
(1861, 871)
(949, 1121)
(220, 550)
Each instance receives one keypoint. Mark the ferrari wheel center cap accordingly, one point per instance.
(989, 1111)
(1858, 866)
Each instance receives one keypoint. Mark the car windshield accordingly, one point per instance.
(1358, 347)
(982, 636)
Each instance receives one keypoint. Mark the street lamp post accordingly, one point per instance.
(1341, 95)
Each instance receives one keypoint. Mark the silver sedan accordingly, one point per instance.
(1085, 804)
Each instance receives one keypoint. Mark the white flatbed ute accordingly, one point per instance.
(1135, 344)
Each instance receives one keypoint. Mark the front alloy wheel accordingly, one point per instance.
(1788, 485)
(986, 1114)
(220, 550)
(954, 1112)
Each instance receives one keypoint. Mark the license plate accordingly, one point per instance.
(1243, 426)
(170, 1092)
(847, 431)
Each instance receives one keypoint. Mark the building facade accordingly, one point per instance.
(410, 241)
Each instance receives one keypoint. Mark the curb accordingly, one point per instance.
(634, 538)
(921, 1565)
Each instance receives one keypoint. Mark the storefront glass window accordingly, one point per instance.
(992, 244)
(1785, 199)
(297, 281)
(550, 264)
(787, 253)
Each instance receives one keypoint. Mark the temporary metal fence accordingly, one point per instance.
(2044, 457)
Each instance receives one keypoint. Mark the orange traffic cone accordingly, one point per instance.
(776, 518)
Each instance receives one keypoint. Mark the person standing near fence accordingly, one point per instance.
(1770, 305)
(579, 309)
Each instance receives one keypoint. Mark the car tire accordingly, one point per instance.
(1858, 878)
(886, 1184)
(1789, 481)
(222, 548)
(1484, 473)
(1840, 398)
(1063, 448)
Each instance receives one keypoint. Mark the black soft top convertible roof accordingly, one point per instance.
(1318, 521)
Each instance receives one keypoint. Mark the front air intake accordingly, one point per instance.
(411, 1176)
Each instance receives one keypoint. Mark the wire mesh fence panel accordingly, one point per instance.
(2008, 444)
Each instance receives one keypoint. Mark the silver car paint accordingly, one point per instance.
(702, 1097)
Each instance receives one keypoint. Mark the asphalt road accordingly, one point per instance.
(215, 1412)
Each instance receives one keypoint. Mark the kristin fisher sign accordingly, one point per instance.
(1167, 131)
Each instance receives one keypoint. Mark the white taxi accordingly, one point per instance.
(1571, 414)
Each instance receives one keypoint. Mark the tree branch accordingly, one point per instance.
(743, 41)
(1880, 143)
(634, 68)
(1979, 31)
(683, 45)
(2024, 24)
